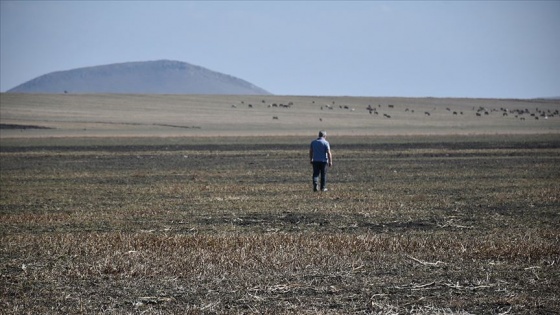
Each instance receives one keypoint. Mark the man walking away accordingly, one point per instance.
(320, 156)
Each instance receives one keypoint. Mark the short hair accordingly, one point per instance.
(322, 134)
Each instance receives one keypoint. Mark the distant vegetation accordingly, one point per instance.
(15, 126)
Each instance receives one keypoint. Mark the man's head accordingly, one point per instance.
(322, 134)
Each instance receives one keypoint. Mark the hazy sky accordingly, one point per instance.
(365, 48)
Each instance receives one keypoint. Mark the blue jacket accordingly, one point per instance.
(320, 148)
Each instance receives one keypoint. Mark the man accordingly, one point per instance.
(320, 156)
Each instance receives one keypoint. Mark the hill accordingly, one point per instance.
(148, 77)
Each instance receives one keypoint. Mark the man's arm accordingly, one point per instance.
(329, 155)
(311, 155)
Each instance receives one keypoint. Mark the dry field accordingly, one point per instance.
(138, 214)
(222, 115)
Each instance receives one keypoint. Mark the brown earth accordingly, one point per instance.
(412, 224)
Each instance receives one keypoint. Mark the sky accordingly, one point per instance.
(475, 49)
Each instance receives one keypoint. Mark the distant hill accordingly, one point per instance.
(148, 77)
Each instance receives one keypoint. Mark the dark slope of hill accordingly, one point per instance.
(149, 77)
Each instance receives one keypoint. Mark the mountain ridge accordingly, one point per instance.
(140, 77)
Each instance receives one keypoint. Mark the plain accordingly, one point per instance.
(140, 214)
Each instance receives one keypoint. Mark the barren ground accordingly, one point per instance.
(129, 217)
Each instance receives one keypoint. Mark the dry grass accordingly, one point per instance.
(420, 225)
(214, 115)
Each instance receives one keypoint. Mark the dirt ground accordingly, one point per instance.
(411, 224)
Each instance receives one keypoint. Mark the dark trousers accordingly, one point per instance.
(320, 169)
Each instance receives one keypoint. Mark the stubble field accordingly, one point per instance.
(443, 214)
(410, 225)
